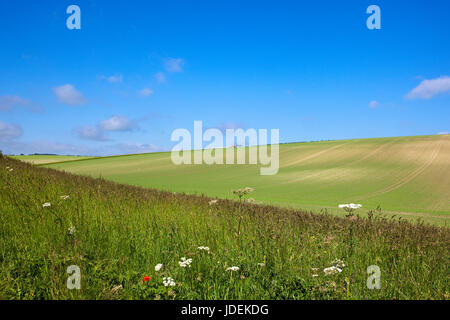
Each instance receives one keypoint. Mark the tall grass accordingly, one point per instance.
(116, 234)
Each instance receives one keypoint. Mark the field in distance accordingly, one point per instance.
(407, 176)
(44, 158)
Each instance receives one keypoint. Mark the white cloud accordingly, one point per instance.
(443, 133)
(8, 102)
(9, 131)
(429, 88)
(91, 133)
(174, 64)
(113, 79)
(373, 104)
(160, 77)
(97, 133)
(117, 123)
(130, 148)
(67, 94)
(145, 92)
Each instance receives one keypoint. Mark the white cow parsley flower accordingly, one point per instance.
(233, 269)
(185, 262)
(168, 282)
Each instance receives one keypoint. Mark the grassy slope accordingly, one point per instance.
(405, 175)
(122, 232)
(44, 159)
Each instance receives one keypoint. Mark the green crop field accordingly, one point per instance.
(44, 159)
(407, 176)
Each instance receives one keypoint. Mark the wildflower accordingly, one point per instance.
(332, 270)
(116, 288)
(233, 269)
(47, 204)
(243, 191)
(168, 282)
(261, 264)
(146, 279)
(71, 230)
(64, 197)
(212, 202)
(315, 275)
(158, 266)
(11, 169)
(185, 262)
(350, 206)
(248, 189)
(338, 263)
(203, 248)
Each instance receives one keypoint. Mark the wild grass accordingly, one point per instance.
(117, 234)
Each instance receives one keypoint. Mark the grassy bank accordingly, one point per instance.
(117, 233)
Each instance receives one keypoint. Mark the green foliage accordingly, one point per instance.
(117, 233)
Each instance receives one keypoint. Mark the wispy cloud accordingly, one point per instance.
(68, 95)
(145, 92)
(98, 132)
(429, 88)
(443, 133)
(47, 147)
(10, 102)
(229, 125)
(91, 133)
(174, 64)
(9, 131)
(129, 148)
(160, 77)
(117, 123)
(7, 103)
(373, 104)
(112, 79)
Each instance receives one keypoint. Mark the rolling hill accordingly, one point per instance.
(409, 176)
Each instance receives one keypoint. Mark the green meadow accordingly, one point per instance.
(126, 241)
(405, 176)
(44, 159)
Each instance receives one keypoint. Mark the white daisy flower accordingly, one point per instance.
(47, 204)
(158, 266)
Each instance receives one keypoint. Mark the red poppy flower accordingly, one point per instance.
(146, 278)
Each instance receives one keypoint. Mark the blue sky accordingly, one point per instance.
(137, 70)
